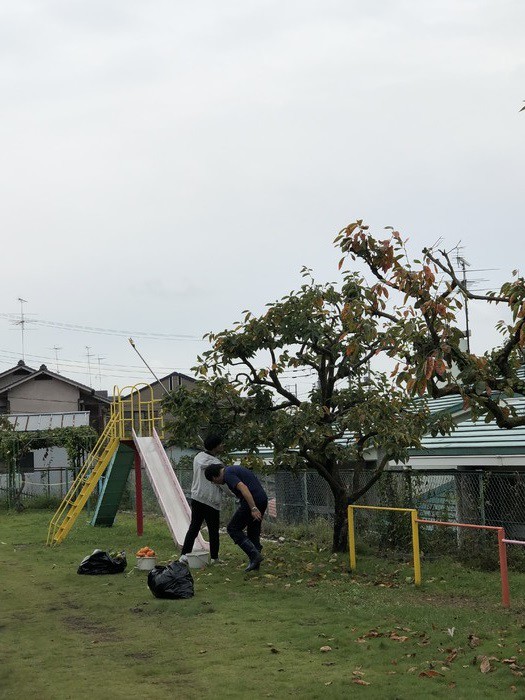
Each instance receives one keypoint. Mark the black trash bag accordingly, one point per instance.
(172, 581)
(100, 562)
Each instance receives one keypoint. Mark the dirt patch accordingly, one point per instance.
(99, 632)
(139, 655)
(451, 600)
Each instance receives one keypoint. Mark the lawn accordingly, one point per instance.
(303, 627)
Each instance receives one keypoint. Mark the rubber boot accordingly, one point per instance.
(253, 553)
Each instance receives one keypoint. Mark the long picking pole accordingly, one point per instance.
(132, 343)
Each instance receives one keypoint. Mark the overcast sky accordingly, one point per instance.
(166, 165)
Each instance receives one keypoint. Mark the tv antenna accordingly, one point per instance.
(99, 359)
(22, 323)
(56, 348)
(468, 283)
(462, 265)
(89, 356)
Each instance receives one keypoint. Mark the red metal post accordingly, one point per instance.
(505, 595)
(138, 493)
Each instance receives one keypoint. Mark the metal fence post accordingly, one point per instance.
(305, 488)
(481, 499)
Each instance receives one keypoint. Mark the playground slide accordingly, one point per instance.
(167, 489)
(112, 485)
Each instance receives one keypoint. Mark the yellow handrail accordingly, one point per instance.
(127, 415)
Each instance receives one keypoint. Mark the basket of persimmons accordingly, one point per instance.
(146, 559)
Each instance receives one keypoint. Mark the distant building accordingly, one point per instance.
(25, 390)
(156, 391)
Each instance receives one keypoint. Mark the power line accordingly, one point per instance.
(81, 364)
(105, 331)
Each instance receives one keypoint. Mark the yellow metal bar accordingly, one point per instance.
(351, 537)
(415, 547)
(404, 510)
(105, 442)
(415, 536)
(126, 415)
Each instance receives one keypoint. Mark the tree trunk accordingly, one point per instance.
(340, 535)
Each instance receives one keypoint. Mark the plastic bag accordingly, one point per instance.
(99, 562)
(172, 581)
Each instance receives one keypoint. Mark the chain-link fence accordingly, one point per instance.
(477, 496)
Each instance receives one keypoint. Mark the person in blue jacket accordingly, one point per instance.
(252, 504)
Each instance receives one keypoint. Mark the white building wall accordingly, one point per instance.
(43, 396)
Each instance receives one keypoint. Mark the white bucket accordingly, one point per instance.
(146, 563)
(197, 560)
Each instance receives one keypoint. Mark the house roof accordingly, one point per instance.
(19, 369)
(474, 437)
(164, 381)
(44, 371)
(25, 422)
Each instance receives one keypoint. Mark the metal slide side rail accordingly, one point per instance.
(140, 412)
(85, 482)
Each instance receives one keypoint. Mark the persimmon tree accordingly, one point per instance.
(350, 417)
(418, 300)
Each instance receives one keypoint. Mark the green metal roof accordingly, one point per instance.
(474, 437)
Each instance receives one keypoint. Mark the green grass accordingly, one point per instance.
(69, 636)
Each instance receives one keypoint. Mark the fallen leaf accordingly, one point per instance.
(473, 641)
(485, 666)
(360, 681)
(397, 638)
(325, 649)
(452, 656)
(429, 674)
(451, 631)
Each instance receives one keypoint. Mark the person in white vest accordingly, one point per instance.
(205, 500)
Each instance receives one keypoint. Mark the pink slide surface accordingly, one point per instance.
(168, 491)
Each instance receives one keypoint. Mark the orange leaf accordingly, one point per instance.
(429, 674)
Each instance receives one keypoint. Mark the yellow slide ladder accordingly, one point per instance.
(86, 481)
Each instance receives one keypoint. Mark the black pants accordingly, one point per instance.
(200, 513)
(243, 519)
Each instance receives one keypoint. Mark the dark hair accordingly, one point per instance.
(212, 440)
(212, 471)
